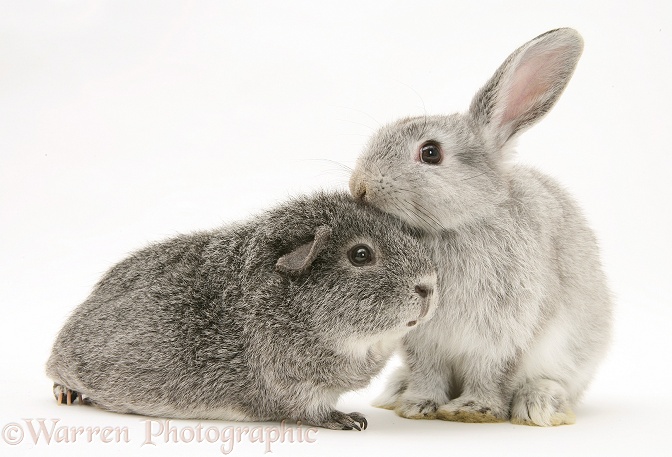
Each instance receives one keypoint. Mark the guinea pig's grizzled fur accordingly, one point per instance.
(269, 319)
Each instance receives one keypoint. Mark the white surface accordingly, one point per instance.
(126, 122)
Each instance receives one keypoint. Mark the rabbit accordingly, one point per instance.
(263, 320)
(524, 310)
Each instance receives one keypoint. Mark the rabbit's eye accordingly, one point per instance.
(430, 152)
(360, 255)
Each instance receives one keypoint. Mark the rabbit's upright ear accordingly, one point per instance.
(301, 258)
(527, 85)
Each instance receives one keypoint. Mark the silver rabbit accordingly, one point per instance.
(269, 319)
(524, 313)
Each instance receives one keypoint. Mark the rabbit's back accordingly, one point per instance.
(576, 328)
(551, 214)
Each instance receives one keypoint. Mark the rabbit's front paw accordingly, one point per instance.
(423, 409)
(543, 403)
(470, 410)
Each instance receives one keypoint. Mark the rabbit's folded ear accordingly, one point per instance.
(527, 85)
(303, 256)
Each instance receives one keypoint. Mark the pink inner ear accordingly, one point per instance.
(531, 83)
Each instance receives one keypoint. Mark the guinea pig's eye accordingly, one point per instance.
(360, 255)
(431, 153)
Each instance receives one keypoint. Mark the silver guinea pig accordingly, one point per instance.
(264, 320)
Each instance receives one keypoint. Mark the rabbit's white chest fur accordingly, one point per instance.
(490, 291)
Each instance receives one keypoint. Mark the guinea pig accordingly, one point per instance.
(264, 320)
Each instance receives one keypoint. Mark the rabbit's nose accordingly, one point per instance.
(360, 192)
(358, 189)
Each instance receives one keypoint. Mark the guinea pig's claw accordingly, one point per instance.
(361, 420)
(63, 393)
(352, 421)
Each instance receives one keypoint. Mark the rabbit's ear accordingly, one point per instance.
(527, 85)
(303, 256)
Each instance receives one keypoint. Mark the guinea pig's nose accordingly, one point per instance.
(423, 290)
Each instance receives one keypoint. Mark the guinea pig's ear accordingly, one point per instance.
(302, 257)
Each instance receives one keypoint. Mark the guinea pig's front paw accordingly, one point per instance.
(341, 421)
(413, 409)
(470, 410)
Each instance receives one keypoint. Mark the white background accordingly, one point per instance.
(125, 122)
